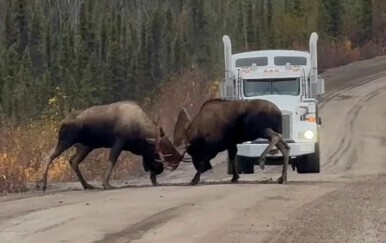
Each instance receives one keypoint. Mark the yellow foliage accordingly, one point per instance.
(214, 89)
(52, 101)
(15, 175)
(348, 45)
(22, 156)
(12, 175)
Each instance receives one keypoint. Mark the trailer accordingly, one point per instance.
(288, 78)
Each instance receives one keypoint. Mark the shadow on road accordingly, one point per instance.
(205, 183)
(240, 182)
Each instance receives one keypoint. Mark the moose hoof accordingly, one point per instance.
(108, 187)
(195, 179)
(193, 182)
(281, 180)
(235, 179)
(261, 163)
(293, 167)
(154, 181)
(88, 187)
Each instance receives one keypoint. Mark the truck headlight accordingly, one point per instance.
(309, 134)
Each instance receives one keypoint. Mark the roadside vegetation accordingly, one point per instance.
(58, 56)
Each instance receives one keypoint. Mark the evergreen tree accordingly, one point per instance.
(334, 10)
(21, 22)
(36, 44)
(366, 20)
(103, 51)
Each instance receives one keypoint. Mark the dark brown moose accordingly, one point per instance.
(220, 125)
(121, 126)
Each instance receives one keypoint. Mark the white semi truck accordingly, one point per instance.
(288, 78)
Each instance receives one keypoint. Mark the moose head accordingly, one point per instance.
(169, 155)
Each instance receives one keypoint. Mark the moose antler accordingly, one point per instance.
(170, 164)
(157, 148)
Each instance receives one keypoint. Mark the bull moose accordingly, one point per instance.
(222, 124)
(121, 126)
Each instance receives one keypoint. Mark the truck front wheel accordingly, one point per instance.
(309, 163)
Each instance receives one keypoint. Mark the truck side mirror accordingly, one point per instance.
(320, 86)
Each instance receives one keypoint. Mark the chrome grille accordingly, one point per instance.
(286, 126)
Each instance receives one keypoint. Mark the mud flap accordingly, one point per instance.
(245, 165)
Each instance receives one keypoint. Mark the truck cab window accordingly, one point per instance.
(283, 86)
(283, 60)
(247, 62)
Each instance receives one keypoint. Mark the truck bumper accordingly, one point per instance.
(256, 149)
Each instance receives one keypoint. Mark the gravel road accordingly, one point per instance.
(346, 202)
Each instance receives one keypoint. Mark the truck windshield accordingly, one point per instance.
(283, 86)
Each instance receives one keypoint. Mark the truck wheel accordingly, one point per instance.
(309, 163)
(245, 165)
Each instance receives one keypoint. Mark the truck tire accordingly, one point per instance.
(309, 163)
(245, 165)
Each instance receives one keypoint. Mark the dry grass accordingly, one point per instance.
(337, 53)
(24, 149)
(21, 154)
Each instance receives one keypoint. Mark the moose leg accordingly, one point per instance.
(114, 154)
(81, 153)
(196, 178)
(202, 167)
(232, 160)
(58, 150)
(153, 178)
(274, 139)
(155, 169)
(284, 149)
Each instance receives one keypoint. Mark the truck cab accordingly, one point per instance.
(289, 79)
